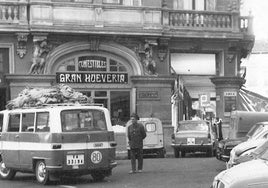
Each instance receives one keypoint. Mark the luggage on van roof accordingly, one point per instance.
(33, 97)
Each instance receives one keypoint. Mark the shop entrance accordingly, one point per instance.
(118, 102)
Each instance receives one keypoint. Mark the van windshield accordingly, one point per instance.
(83, 120)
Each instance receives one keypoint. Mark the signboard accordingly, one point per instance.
(92, 63)
(148, 95)
(94, 78)
(204, 100)
(229, 102)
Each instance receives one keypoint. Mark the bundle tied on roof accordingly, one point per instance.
(30, 97)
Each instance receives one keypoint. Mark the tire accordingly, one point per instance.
(98, 176)
(161, 153)
(176, 153)
(41, 173)
(182, 153)
(210, 152)
(6, 173)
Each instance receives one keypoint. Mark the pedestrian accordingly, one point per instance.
(136, 133)
(219, 128)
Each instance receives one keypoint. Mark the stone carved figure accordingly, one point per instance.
(40, 51)
(148, 61)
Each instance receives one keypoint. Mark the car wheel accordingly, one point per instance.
(41, 173)
(6, 173)
(182, 153)
(210, 152)
(161, 153)
(97, 176)
(176, 153)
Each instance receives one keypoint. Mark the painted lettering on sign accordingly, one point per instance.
(148, 95)
(92, 63)
(112, 78)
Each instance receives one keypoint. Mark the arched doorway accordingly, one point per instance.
(102, 74)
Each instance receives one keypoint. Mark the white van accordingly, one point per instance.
(153, 144)
(55, 140)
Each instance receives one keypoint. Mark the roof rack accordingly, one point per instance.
(58, 104)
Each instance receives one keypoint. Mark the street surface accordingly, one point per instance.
(194, 171)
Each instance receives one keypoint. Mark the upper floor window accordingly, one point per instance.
(194, 4)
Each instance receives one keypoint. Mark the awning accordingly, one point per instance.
(251, 101)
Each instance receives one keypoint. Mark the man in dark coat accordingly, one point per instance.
(136, 133)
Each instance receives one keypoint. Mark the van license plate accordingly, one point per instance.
(75, 159)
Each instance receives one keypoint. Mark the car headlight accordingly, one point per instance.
(218, 184)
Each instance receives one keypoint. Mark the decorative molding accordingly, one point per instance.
(21, 44)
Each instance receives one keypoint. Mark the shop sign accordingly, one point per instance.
(204, 100)
(94, 78)
(148, 95)
(92, 63)
(229, 102)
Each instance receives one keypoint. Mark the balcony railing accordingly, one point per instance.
(89, 16)
(200, 19)
(13, 13)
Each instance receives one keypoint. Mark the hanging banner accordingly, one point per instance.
(94, 78)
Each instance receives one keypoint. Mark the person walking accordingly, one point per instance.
(136, 133)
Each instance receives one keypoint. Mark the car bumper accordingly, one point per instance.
(192, 148)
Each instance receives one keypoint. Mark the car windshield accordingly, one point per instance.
(261, 150)
(83, 120)
(193, 126)
(256, 129)
(264, 150)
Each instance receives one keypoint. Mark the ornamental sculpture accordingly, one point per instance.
(40, 52)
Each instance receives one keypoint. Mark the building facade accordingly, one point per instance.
(121, 52)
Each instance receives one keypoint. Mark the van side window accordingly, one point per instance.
(27, 122)
(1, 122)
(14, 123)
(42, 124)
(150, 127)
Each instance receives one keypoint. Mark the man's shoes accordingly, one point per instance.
(131, 172)
(139, 171)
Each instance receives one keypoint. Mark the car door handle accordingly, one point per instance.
(17, 136)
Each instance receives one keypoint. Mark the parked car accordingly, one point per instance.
(193, 136)
(259, 136)
(55, 140)
(153, 144)
(253, 174)
(240, 129)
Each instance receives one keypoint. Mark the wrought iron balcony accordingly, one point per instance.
(118, 19)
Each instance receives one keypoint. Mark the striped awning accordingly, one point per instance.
(251, 101)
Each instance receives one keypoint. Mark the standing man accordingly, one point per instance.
(219, 128)
(136, 133)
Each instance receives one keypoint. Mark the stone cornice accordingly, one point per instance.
(224, 81)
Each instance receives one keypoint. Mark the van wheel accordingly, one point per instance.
(176, 153)
(6, 173)
(41, 173)
(97, 176)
